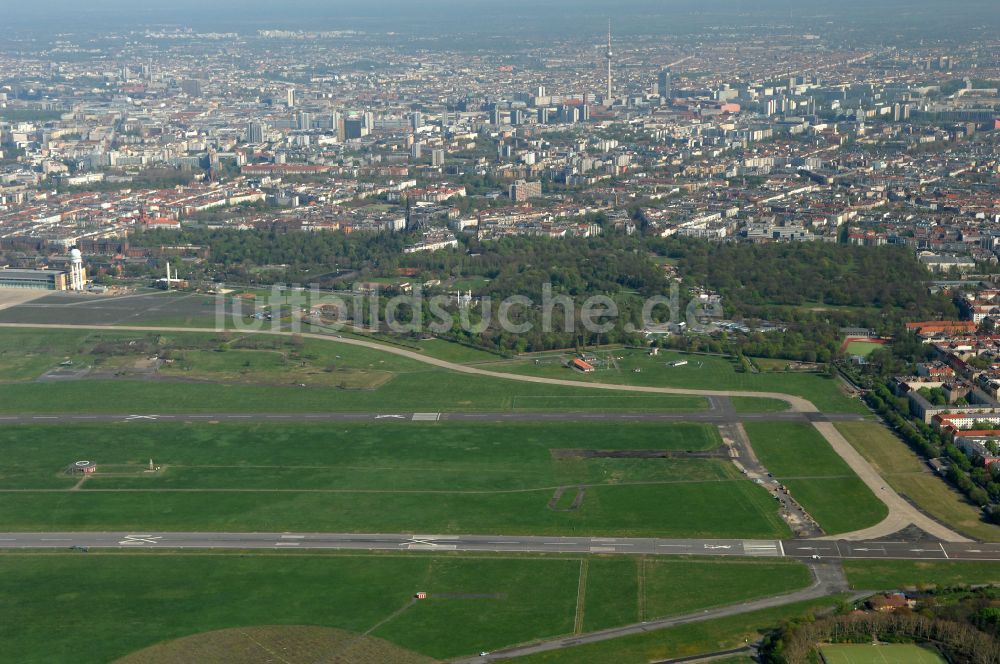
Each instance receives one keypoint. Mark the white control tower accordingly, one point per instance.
(77, 274)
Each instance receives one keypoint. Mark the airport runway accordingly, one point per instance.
(808, 550)
(705, 416)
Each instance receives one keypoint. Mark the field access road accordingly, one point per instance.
(900, 512)
(802, 549)
(709, 416)
(828, 579)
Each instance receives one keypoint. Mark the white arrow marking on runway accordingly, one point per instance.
(718, 546)
(860, 549)
(398, 417)
(140, 539)
(141, 417)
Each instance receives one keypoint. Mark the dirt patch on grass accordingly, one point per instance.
(718, 453)
(287, 644)
(581, 492)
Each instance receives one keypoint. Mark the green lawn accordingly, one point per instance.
(897, 653)
(705, 372)
(908, 475)
(122, 602)
(815, 475)
(117, 603)
(758, 405)
(258, 373)
(428, 390)
(391, 477)
(453, 352)
(684, 640)
(26, 354)
(862, 348)
(673, 587)
(900, 574)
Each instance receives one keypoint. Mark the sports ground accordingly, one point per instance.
(878, 654)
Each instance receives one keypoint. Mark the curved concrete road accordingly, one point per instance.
(901, 513)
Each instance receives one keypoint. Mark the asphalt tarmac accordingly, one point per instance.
(803, 549)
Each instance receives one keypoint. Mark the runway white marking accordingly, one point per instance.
(141, 539)
(752, 548)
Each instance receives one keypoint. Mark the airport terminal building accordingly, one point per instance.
(34, 279)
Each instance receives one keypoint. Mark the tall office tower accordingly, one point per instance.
(522, 191)
(495, 116)
(416, 120)
(354, 128)
(303, 121)
(369, 120)
(585, 113)
(437, 158)
(543, 115)
(541, 91)
(191, 87)
(516, 116)
(416, 150)
(607, 99)
(255, 132)
(291, 98)
(664, 84)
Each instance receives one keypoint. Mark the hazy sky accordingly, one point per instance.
(478, 15)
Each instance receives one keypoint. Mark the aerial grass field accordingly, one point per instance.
(26, 354)
(54, 602)
(432, 390)
(232, 372)
(671, 586)
(236, 359)
(815, 475)
(866, 653)
(453, 352)
(862, 348)
(758, 405)
(684, 640)
(900, 574)
(908, 475)
(297, 644)
(389, 477)
(703, 372)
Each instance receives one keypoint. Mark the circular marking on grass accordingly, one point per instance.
(263, 644)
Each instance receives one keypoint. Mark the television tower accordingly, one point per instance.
(607, 99)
